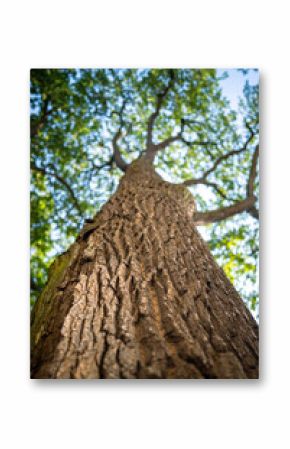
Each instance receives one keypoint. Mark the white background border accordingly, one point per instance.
(157, 414)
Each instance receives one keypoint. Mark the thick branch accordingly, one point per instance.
(62, 181)
(162, 145)
(252, 176)
(117, 153)
(254, 212)
(160, 98)
(203, 218)
(245, 205)
(116, 150)
(253, 172)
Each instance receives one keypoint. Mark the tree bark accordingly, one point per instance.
(139, 295)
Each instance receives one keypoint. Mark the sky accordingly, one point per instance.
(233, 85)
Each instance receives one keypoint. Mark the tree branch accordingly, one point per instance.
(150, 147)
(96, 168)
(154, 148)
(162, 145)
(215, 187)
(253, 172)
(203, 178)
(251, 181)
(203, 218)
(180, 137)
(254, 212)
(204, 181)
(117, 153)
(219, 160)
(248, 204)
(229, 154)
(116, 150)
(62, 181)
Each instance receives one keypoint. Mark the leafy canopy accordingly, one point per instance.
(75, 115)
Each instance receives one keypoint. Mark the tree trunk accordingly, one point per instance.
(138, 295)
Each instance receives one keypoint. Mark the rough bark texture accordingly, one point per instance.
(140, 296)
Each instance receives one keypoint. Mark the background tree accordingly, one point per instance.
(87, 125)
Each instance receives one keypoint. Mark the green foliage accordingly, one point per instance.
(74, 116)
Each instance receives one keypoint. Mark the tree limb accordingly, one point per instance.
(251, 181)
(116, 150)
(248, 204)
(215, 187)
(150, 147)
(254, 212)
(203, 218)
(204, 181)
(162, 145)
(117, 153)
(229, 154)
(62, 181)
(253, 172)
(203, 178)
(218, 161)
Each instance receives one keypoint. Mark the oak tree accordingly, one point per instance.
(125, 165)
